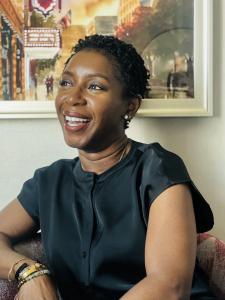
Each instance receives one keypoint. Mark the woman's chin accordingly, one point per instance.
(71, 142)
(75, 142)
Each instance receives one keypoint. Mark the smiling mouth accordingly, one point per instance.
(72, 123)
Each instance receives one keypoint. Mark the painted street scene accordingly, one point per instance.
(36, 38)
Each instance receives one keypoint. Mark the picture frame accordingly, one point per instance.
(201, 104)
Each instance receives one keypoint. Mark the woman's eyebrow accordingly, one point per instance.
(89, 75)
(98, 75)
(67, 73)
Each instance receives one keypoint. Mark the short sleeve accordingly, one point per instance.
(163, 169)
(29, 197)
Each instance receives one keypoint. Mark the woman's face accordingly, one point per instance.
(89, 103)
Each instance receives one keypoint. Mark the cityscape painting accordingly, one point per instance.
(37, 37)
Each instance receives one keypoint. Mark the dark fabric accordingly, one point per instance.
(94, 226)
(200, 291)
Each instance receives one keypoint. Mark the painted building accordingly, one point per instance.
(102, 25)
(69, 37)
(12, 77)
(127, 8)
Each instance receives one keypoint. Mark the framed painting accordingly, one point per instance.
(174, 38)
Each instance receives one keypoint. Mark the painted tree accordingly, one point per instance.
(147, 24)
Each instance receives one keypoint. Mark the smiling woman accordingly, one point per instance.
(107, 216)
(90, 102)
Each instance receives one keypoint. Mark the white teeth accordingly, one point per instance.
(75, 119)
(73, 124)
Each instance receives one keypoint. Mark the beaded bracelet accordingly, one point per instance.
(33, 275)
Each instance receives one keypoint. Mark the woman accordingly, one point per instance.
(120, 220)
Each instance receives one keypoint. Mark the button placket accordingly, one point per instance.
(89, 233)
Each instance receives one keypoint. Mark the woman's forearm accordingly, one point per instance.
(151, 288)
(41, 287)
(8, 256)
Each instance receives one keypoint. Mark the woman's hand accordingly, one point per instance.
(39, 288)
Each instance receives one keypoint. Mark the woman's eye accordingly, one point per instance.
(95, 86)
(64, 83)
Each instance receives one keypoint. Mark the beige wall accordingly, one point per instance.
(28, 144)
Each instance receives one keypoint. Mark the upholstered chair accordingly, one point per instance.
(210, 253)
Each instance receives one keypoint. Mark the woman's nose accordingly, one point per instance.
(75, 97)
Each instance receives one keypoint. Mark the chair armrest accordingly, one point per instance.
(211, 257)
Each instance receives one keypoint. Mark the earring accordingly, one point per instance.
(127, 120)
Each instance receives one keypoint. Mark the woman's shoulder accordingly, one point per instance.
(155, 150)
(157, 162)
(56, 167)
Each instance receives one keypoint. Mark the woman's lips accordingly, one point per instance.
(74, 122)
(74, 114)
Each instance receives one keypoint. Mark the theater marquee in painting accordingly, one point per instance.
(37, 36)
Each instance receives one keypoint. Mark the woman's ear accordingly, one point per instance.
(133, 106)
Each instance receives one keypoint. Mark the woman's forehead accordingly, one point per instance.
(90, 56)
(92, 61)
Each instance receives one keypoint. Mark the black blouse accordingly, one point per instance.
(94, 226)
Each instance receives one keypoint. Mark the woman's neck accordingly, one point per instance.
(101, 161)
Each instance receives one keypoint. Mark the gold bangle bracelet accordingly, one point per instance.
(30, 270)
(33, 275)
(14, 265)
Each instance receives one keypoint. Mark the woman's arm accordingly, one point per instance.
(15, 223)
(170, 249)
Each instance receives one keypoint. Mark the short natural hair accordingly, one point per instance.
(128, 62)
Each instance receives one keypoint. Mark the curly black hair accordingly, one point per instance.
(129, 64)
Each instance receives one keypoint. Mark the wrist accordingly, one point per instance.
(16, 265)
(27, 272)
(32, 276)
(25, 261)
